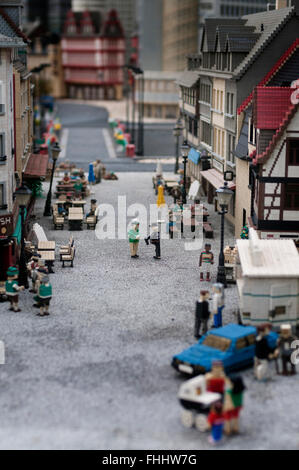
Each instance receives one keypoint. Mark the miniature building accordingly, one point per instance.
(235, 55)
(267, 175)
(93, 55)
(160, 94)
(268, 281)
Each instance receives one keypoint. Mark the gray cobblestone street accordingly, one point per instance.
(96, 373)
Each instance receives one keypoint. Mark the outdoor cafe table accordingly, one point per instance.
(46, 245)
(75, 218)
(49, 257)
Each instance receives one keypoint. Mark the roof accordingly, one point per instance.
(279, 259)
(36, 166)
(233, 331)
(188, 78)
(6, 41)
(285, 57)
(211, 25)
(272, 21)
(8, 26)
(286, 119)
(216, 179)
(241, 150)
(112, 27)
(270, 106)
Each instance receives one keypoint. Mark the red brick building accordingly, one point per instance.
(93, 56)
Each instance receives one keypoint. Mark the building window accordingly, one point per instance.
(2, 105)
(231, 148)
(2, 196)
(291, 200)
(195, 128)
(205, 93)
(190, 126)
(206, 133)
(2, 145)
(293, 152)
(252, 132)
(229, 103)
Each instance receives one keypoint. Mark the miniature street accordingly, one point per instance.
(96, 373)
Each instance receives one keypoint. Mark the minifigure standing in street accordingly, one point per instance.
(134, 237)
(263, 352)
(202, 314)
(284, 349)
(205, 260)
(233, 402)
(217, 303)
(44, 296)
(12, 288)
(216, 423)
(154, 239)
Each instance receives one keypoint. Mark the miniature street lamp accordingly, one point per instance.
(54, 151)
(23, 194)
(224, 196)
(185, 152)
(177, 132)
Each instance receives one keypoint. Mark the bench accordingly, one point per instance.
(58, 220)
(69, 258)
(66, 249)
(91, 222)
(208, 231)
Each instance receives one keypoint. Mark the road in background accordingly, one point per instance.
(87, 137)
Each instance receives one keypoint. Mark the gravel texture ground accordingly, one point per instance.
(96, 373)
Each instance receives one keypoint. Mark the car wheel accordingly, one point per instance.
(201, 422)
(187, 418)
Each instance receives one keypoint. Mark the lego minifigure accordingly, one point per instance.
(154, 239)
(38, 275)
(160, 199)
(284, 349)
(216, 378)
(205, 260)
(12, 288)
(44, 296)
(93, 208)
(66, 178)
(217, 303)
(202, 314)
(233, 402)
(263, 352)
(134, 237)
(216, 423)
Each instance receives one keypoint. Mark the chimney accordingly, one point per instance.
(281, 4)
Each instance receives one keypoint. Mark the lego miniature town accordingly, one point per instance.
(149, 226)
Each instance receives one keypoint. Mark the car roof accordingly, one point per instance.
(233, 331)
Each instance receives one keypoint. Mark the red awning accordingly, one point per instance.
(215, 178)
(36, 166)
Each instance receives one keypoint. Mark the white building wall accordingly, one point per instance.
(7, 128)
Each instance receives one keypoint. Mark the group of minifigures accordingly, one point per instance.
(153, 238)
(41, 286)
(224, 413)
(202, 310)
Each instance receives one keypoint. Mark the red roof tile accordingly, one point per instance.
(261, 158)
(36, 166)
(271, 73)
(270, 106)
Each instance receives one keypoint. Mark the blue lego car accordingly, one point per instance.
(232, 344)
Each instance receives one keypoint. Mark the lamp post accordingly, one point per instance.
(185, 152)
(55, 151)
(224, 196)
(177, 132)
(23, 195)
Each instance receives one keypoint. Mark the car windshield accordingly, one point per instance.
(217, 342)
